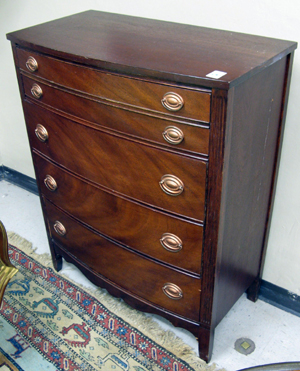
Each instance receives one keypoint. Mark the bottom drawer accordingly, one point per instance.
(163, 286)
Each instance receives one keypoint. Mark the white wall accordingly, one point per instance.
(274, 18)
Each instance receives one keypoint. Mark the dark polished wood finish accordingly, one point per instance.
(156, 180)
(139, 124)
(112, 163)
(160, 50)
(131, 93)
(144, 277)
(129, 223)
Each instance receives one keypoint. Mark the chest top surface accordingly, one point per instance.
(154, 49)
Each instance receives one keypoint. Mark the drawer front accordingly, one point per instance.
(164, 131)
(128, 167)
(138, 275)
(130, 91)
(153, 233)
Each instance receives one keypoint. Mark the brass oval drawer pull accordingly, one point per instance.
(171, 185)
(172, 101)
(59, 228)
(173, 135)
(36, 91)
(171, 242)
(41, 133)
(32, 64)
(50, 183)
(172, 291)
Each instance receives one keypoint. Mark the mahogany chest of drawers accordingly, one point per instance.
(155, 147)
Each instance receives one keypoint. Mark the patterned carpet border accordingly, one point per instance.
(152, 347)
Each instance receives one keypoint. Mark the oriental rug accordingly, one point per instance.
(48, 322)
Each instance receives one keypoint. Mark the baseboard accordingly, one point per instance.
(18, 179)
(280, 298)
(269, 293)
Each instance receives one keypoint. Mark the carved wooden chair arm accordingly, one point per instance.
(7, 270)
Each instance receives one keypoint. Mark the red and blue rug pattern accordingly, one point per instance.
(68, 328)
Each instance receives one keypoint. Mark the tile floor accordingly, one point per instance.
(274, 332)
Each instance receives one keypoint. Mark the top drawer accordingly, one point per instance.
(167, 99)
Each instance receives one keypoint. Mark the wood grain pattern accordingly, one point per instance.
(128, 270)
(103, 77)
(129, 223)
(111, 162)
(108, 116)
(115, 88)
(212, 246)
(160, 50)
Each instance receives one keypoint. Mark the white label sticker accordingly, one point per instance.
(216, 74)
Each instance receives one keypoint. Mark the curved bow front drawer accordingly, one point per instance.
(154, 282)
(156, 149)
(167, 99)
(177, 135)
(127, 167)
(153, 233)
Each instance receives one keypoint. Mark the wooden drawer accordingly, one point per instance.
(130, 91)
(103, 77)
(149, 127)
(130, 168)
(138, 275)
(129, 223)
